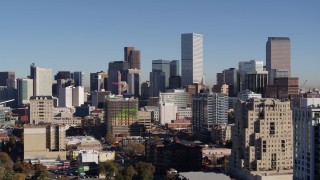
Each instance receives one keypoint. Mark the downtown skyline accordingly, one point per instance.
(83, 36)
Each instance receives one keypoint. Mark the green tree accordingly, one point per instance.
(5, 161)
(110, 139)
(109, 169)
(145, 171)
(134, 149)
(19, 176)
(41, 171)
(128, 173)
(23, 167)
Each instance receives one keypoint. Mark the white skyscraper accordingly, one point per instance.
(78, 96)
(191, 58)
(65, 96)
(42, 81)
(134, 80)
(25, 90)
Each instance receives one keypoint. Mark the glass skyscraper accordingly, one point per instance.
(191, 58)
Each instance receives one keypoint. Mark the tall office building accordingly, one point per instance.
(157, 83)
(122, 67)
(98, 81)
(132, 56)
(191, 58)
(134, 80)
(278, 54)
(120, 114)
(77, 96)
(42, 80)
(258, 81)
(25, 90)
(162, 66)
(174, 68)
(145, 90)
(246, 67)
(229, 77)
(262, 140)
(114, 81)
(4, 76)
(306, 123)
(175, 82)
(65, 96)
(63, 75)
(284, 87)
(78, 78)
(208, 109)
(41, 109)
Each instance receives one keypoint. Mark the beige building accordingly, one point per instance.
(221, 133)
(44, 142)
(262, 139)
(41, 109)
(144, 119)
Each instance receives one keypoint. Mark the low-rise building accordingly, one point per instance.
(221, 133)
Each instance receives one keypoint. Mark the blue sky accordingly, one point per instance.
(86, 35)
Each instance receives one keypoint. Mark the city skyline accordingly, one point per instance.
(83, 36)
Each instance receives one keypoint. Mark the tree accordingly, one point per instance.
(19, 176)
(145, 171)
(23, 167)
(110, 139)
(41, 171)
(128, 173)
(134, 149)
(109, 169)
(5, 161)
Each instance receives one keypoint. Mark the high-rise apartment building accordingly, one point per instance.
(306, 123)
(6, 75)
(208, 109)
(41, 109)
(191, 58)
(132, 56)
(278, 54)
(120, 114)
(262, 139)
(42, 80)
(25, 90)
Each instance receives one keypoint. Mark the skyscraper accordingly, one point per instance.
(174, 68)
(162, 66)
(246, 67)
(191, 58)
(4, 76)
(134, 80)
(78, 77)
(98, 81)
(132, 56)
(278, 54)
(42, 81)
(25, 90)
(208, 109)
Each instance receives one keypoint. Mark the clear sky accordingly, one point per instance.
(86, 35)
